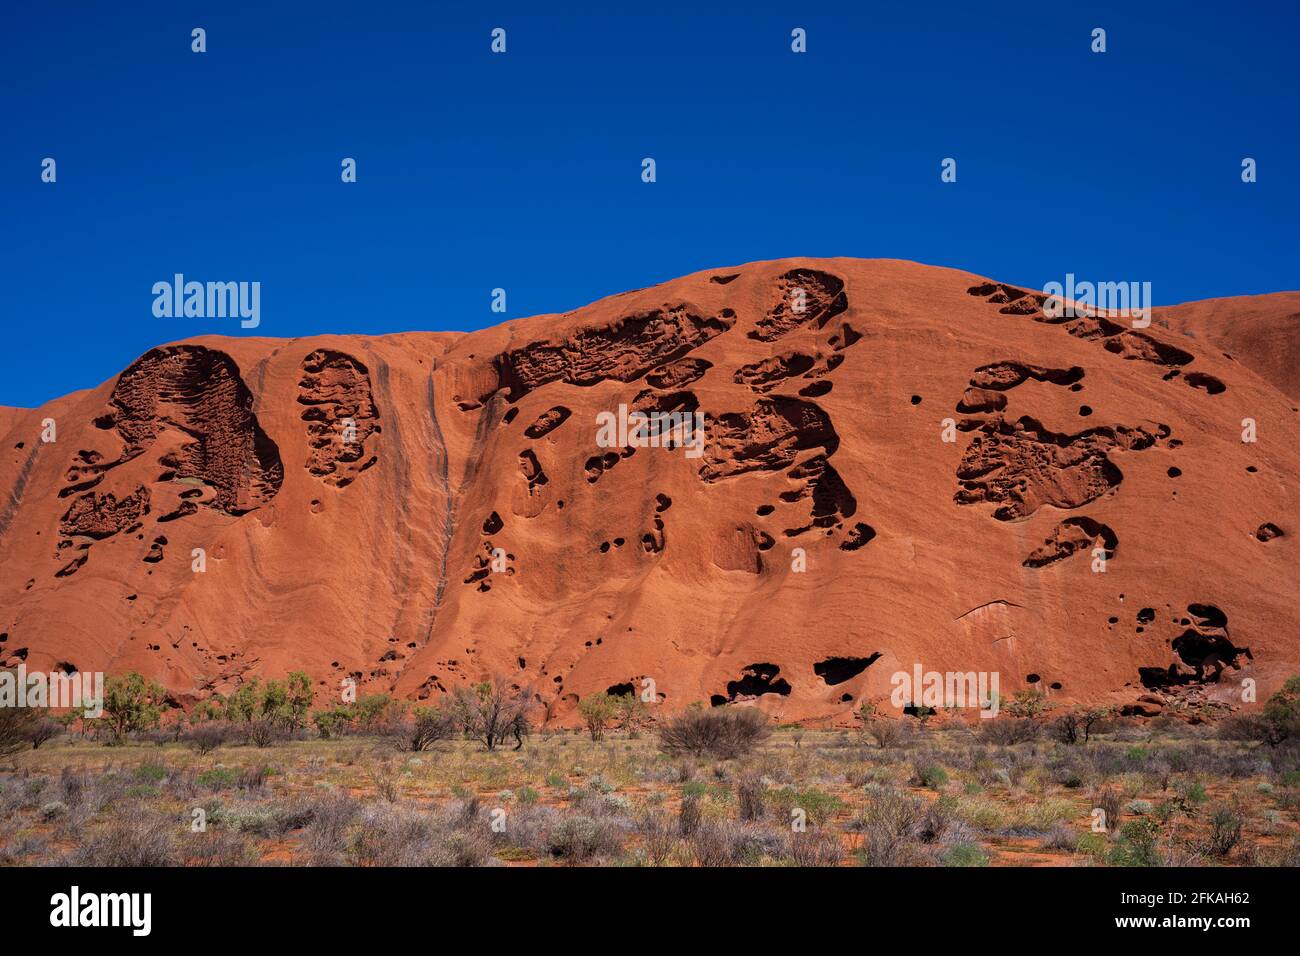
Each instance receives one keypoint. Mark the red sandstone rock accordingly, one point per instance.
(423, 509)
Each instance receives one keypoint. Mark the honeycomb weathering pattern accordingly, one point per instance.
(623, 350)
(199, 391)
(1021, 466)
(767, 437)
(802, 297)
(97, 515)
(340, 414)
(827, 523)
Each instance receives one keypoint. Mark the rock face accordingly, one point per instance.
(901, 465)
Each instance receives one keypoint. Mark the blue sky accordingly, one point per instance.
(522, 170)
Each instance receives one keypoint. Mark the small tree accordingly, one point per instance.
(1030, 704)
(334, 722)
(1094, 719)
(207, 737)
(300, 696)
(132, 703)
(214, 708)
(597, 711)
(377, 713)
(246, 702)
(264, 731)
(1282, 713)
(633, 714)
(429, 725)
(885, 732)
(16, 725)
(274, 704)
(42, 730)
(491, 712)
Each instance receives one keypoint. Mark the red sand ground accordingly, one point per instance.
(825, 426)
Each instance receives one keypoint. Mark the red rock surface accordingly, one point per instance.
(371, 553)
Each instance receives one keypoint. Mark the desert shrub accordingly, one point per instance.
(284, 704)
(722, 733)
(106, 789)
(815, 848)
(580, 837)
(1027, 704)
(150, 773)
(1278, 722)
(965, 854)
(1009, 731)
(1067, 773)
(329, 816)
(262, 820)
(253, 778)
(658, 836)
(391, 836)
(1225, 830)
(207, 736)
(1092, 845)
(1110, 802)
(53, 810)
(732, 843)
(688, 814)
(817, 805)
(527, 835)
(217, 778)
(1042, 815)
(750, 792)
(218, 847)
(930, 775)
(1060, 836)
(884, 732)
(1193, 792)
(137, 838)
(890, 826)
(464, 849)
(72, 786)
(1079, 724)
(24, 844)
(1139, 808)
(982, 813)
(1137, 844)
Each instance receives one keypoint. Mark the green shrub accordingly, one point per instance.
(818, 805)
(1225, 830)
(965, 854)
(1137, 844)
(597, 711)
(218, 778)
(931, 776)
(1195, 793)
(1091, 844)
